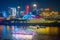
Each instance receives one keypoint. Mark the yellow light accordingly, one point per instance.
(18, 7)
(8, 18)
(34, 5)
(47, 9)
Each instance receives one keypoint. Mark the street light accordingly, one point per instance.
(18, 7)
(34, 5)
(18, 11)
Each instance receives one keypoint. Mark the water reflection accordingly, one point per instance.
(20, 33)
(5, 32)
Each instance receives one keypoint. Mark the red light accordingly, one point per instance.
(38, 17)
(27, 9)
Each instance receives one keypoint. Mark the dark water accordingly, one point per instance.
(5, 34)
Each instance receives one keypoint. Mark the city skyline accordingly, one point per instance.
(53, 4)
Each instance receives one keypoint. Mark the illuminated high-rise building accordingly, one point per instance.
(18, 12)
(12, 12)
(4, 14)
(27, 9)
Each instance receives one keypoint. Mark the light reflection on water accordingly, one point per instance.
(4, 31)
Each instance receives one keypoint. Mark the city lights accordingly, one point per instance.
(34, 5)
(4, 14)
(27, 9)
(18, 7)
(18, 34)
(29, 20)
(4, 31)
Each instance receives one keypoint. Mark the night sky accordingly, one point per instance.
(54, 4)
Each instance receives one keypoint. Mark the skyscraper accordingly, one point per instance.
(27, 9)
(12, 12)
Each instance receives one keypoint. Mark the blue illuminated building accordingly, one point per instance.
(4, 14)
(27, 16)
